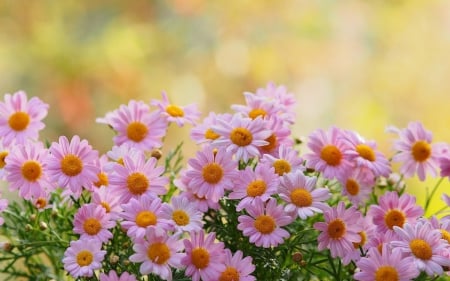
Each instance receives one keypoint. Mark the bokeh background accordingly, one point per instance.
(360, 65)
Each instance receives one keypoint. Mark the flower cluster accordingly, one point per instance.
(248, 206)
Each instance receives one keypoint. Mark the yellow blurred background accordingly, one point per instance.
(360, 65)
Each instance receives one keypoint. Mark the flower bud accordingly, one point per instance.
(32, 217)
(113, 259)
(28, 227)
(297, 257)
(156, 153)
(6, 246)
(43, 225)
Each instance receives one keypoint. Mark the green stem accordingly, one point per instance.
(428, 199)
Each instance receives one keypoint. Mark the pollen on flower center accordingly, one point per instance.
(137, 131)
(3, 155)
(19, 121)
(421, 249)
(102, 180)
(241, 136)
(281, 167)
(200, 257)
(106, 206)
(393, 218)
(256, 188)
(71, 165)
(301, 197)
(230, 274)
(336, 229)
(421, 151)
(445, 235)
(92, 226)
(31, 170)
(145, 218)
(331, 155)
(158, 253)
(137, 183)
(363, 236)
(257, 112)
(174, 111)
(265, 224)
(211, 135)
(84, 258)
(212, 173)
(272, 143)
(180, 217)
(352, 187)
(386, 273)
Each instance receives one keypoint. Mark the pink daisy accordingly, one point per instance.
(116, 154)
(83, 257)
(357, 185)
(257, 106)
(211, 172)
(112, 276)
(204, 257)
(301, 195)
(423, 247)
(340, 230)
(175, 113)
(4, 151)
(103, 175)
(444, 165)
(201, 203)
(263, 225)
(361, 247)
(183, 213)
(72, 165)
(284, 161)
(43, 201)
(27, 170)
(393, 210)
(385, 265)
(328, 153)
(92, 222)
(415, 151)
(260, 183)
(108, 199)
(137, 177)
(158, 253)
(237, 268)
(242, 136)
(136, 125)
(20, 118)
(142, 213)
(203, 132)
(280, 136)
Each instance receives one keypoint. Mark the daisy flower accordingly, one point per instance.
(72, 164)
(237, 268)
(27, 170)
(328, 153)
(263, 225)
(211, 172)
(361, 247)
(20, 118)
(183, 213)
(92, 222)
(112, 276)
(423, 246)
(175, 113)
(357, 185)
(388, 264)
(43, 201)
(4, 151)
(301, 195)
(203, 132)
(137, 177)
(416, 151)
(285, 160)
(444, 165)
(242, 136)
(204, 258)
(83, 257)
(393, 210)
(142, 213)
(257, 106)
(340, 230)
(136, 125)
(102, 176)
(280, 136)
(116, 154)
(108, 199)
(158, 253)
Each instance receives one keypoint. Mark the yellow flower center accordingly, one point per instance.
(174, 111)
(212, 173)
(265, 224)
(31, 170)
(393, 218)
(352, 187)
(145, 218)
(102, 179)
(84, 258)
(211, 135)
(3, 155)
(386, 273)
(137, 131)
(421, 151)
(301, 197)
(158, 253)
(363, 236)
(331, 155)
(257, 112)
(230, 274)
(241, 136)
(120, 161)
(92, 226)
(272, 143)
(366, 152)
(200, 257)
(336, 229)
(19, 121)
(180, 217)
(445, 235)
(71, 165)
(41, 202)
(106, 205)
(256, 188)
(281, 166)
(421, 249)
(137, 183)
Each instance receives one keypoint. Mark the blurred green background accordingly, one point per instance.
(360, 65)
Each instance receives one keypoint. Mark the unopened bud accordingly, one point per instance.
(297, 257)
(113, 259)
(43, 225)
(32, 217)
(6, 246)
(54, 213)
(156, 153)
(126, 262)
(28, 227)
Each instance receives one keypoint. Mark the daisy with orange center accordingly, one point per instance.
(176, 113)
(83, 257)
(108, 199)
(286, 160)
(92, 222)
(237, 267)
(203, 132)
(112, 276)
(357, 185)
(183, 213)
